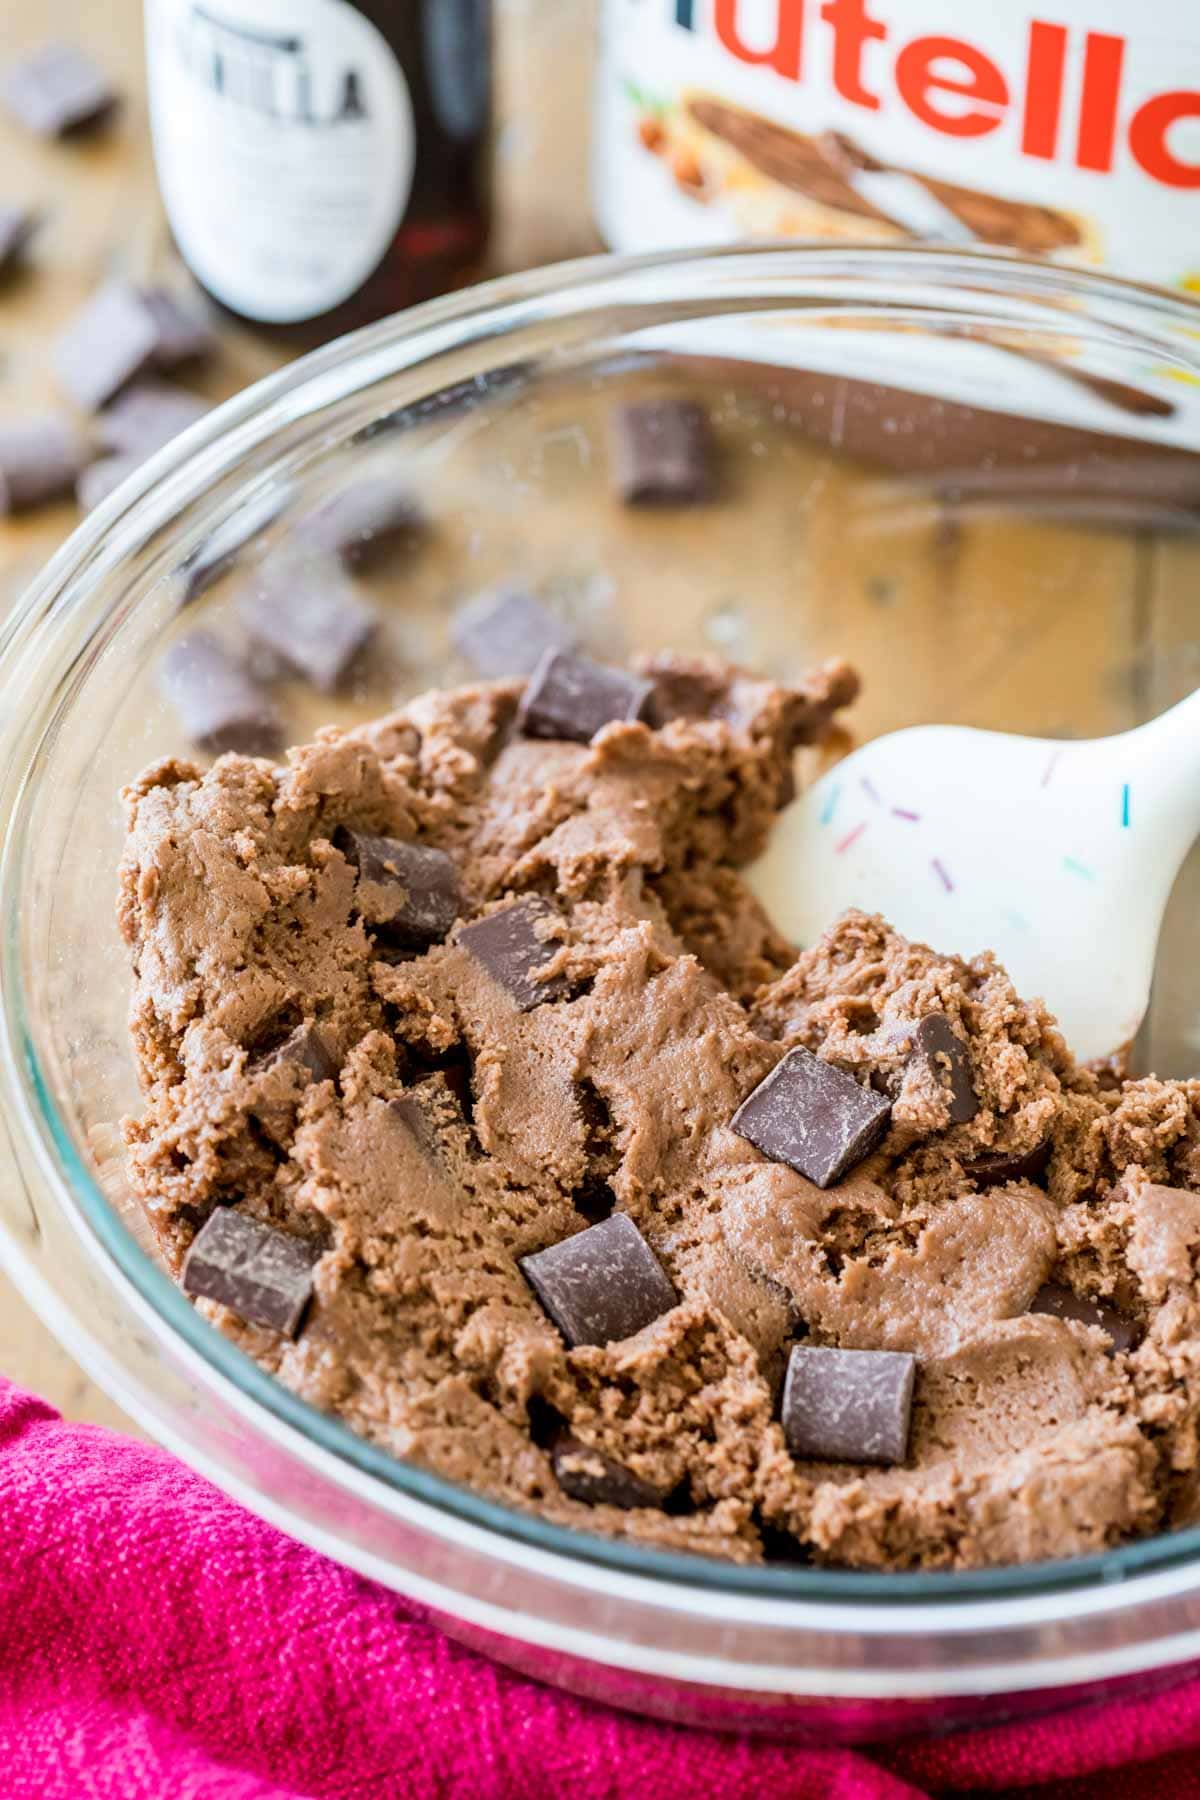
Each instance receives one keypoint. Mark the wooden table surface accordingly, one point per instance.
(1120, 613)
(102, 217)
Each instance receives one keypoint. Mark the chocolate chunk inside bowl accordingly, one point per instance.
(444, 1149)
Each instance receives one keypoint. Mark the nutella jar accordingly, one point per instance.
(1070, 131)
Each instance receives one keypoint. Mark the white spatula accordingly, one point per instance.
(1059, 856)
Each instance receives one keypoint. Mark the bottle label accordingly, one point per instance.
(1069, 130)
(285, 145)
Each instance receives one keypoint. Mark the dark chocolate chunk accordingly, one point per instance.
(848, 1405)
(504, 631)
(225, 543)
(663, 453)
(309, 616)
(410, 891)
(602, 1285)
(599, 1480)
(262, 1274)
(146, 416)
(1063, 1303)
(935, 1045)
(815, 1118)
(512, 948)
(306, 1048)
(57, 89)
(219, 706)
(1017, 1165)
(112, 339)
(571, 697)
(17, 226)
(102, 478)
(183, 335)
(363, 523)
(40, 458)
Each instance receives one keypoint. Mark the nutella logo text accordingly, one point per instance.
(956, 88)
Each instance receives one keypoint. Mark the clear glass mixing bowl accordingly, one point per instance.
(974, 476)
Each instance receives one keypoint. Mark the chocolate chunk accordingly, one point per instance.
(599, 1480)
(602, 1285)
(815, 1118)
(506, 632)
(1017, 1165)
(306, 1048)
(102, 478)
(410, 891)
(363, 523)
(262, 1274)
(309, 616)
(17, 226)
(183, 335)
(511, 948)
(848, 1405)
(40, 458)
(219, 706)
(571, 697)
(935, 1046)
(225, 543)
(57, 89)
(146, 416)
(1063, 1303)
(663, 453)
(112, 339)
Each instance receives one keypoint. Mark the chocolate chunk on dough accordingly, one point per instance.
(1017, 1165)
(601, 1285)
(813, 1117)
(935, 1046)
(219, 706)
(848, 1405)
(506, 632)
(599, 1480)
(573, 698)
(662, 453)
(263, 1275)
(408, 890)
(1063, 1303)
(511, 948)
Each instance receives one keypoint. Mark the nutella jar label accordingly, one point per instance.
(285, 147)
(1073, 133)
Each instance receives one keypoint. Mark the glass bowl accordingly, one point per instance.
(974, 476)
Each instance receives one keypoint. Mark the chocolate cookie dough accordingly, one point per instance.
(481, 1150)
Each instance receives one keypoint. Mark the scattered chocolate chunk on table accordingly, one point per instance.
(145, 416)
(505, 631)
(310, 617)
(363, 523)
(663, 453)
(120, 333)
(219, 706)
(17, 226)
(41, 458)
(57, 89)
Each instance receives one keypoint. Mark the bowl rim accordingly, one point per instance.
(55, 606)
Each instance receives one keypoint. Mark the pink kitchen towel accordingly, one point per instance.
(157, 1642)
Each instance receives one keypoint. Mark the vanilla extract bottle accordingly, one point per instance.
(323, 163)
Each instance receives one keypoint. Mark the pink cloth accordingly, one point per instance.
(159, 1643)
